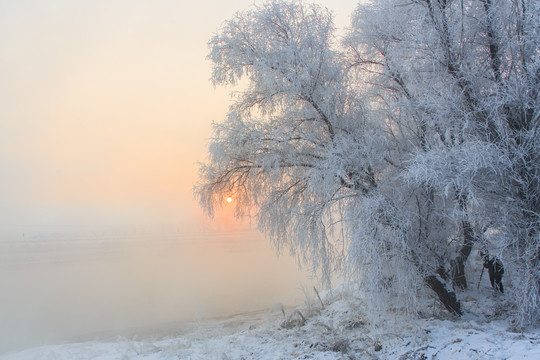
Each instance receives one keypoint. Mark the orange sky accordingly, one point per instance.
(105, 109)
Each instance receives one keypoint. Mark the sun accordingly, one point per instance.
(229, 199)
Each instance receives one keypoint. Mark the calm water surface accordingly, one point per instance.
(59, 289)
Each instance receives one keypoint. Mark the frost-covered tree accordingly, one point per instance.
(458, 82)
(391, 153)
(291, 145)
(299, 146)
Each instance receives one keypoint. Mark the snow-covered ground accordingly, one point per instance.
(339, 330)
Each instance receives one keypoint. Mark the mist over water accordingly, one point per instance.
(67, 289)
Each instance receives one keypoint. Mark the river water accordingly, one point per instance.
(63, 288)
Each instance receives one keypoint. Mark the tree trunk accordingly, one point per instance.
(448, 298)
(458, 264)
(459, 280)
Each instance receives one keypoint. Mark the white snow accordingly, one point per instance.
(340, 330)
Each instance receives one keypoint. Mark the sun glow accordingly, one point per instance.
(229, 199)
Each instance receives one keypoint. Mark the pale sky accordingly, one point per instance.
(105, 109)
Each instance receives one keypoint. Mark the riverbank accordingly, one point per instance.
(334, 329)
